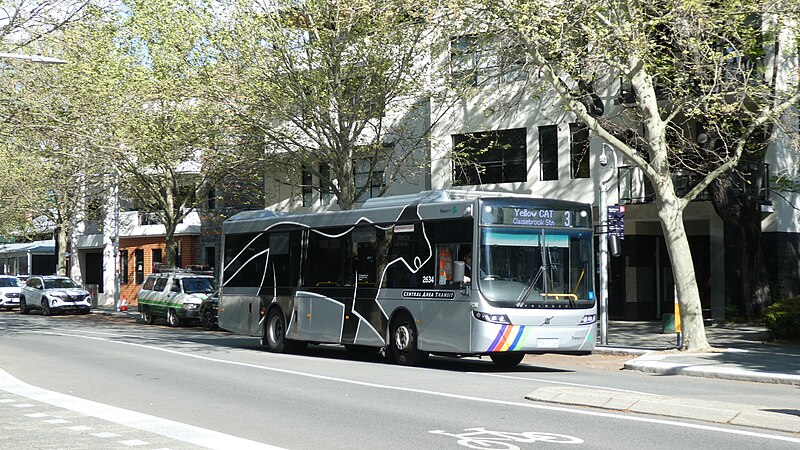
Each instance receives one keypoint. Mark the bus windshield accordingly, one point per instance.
(536, 267)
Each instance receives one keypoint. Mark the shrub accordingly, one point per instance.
(782, 319)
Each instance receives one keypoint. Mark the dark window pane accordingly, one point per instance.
(548, 152)
(490, 157)
(579, 150)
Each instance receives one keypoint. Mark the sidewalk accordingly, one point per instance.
(740, 354)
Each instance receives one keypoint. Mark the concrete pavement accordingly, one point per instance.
(740, 354)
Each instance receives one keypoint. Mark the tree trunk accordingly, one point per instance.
(691, 315)
(61, 256)
(741, 216)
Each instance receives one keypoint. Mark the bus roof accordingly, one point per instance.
(426, 205)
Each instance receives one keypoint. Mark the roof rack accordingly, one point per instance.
(197, 269)
(431, 196)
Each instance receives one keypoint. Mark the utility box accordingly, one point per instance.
(667, 323)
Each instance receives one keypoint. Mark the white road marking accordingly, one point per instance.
(35, 415)
(175, 430)
(79, 428)
(445, 394)
(56, 421)
(105, 434)
(132, 442)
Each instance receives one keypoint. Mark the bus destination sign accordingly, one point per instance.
(528, 217)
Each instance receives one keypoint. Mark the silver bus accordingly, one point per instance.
(445, 272)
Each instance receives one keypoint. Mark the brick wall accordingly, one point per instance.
(189, 255)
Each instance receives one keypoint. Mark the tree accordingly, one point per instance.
(56, 118)
(334, 89)
(174, 140)
(682, 61)
(23, 22)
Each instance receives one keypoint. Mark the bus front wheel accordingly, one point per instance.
(506, 360)
(403, 343)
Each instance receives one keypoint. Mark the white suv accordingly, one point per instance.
(10, 287)
(54, 294)
(174, 296)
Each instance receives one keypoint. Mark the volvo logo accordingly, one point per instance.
(547, 320)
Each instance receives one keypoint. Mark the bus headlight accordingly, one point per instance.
(190, 306)
(492, 318)
(588, 319)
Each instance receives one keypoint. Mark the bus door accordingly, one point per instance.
(444, 325)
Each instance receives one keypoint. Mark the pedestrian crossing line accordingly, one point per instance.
(105, 434)
(22, 405)
(36, 415)
(56, 421)
(133, 442)
(79, 428)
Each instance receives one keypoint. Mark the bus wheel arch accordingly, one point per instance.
(274, 333)
(403, 340)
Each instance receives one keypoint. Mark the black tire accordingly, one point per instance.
(506, 360)
(147, 316)
(46, 308)
(275, 334)
(172, 318)
(23, 306)
(403, 346)
(208, 320)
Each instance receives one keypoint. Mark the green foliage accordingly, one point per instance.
(782, 319)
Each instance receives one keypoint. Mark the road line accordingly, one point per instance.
(445, 394)
(175, 430)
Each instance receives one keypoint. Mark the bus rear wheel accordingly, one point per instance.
(506, 360)
(275, 334)
(403, 344)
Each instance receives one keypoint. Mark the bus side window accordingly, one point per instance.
(444, 263)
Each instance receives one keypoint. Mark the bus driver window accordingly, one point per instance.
(444, 258)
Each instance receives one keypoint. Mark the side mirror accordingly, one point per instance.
(458, 271)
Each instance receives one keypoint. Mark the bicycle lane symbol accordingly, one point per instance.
(481, 438)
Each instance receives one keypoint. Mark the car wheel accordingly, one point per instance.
(506, 360)
(403, 342)
(147, 316)
(172, 318)
(23, 307)
(46, 308)
(208, 320)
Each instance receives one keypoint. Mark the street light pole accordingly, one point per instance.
(116, 242)
(603, 244)
(33, 58)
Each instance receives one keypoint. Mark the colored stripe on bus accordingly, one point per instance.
(498, 340)
(522, 337)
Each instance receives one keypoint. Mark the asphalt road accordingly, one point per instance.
(119, 384)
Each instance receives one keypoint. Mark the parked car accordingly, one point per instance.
(208, 312)
(10, 287)
(175, 296)
(53, 294)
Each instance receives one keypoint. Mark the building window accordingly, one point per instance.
(490, 157)
(139, 255)
(212, 199)
(156, 258)
(123, 266)
(325, 191)
(306, 185)
(548, 152)
(478, 59)
(579, 150)
(361, 175)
